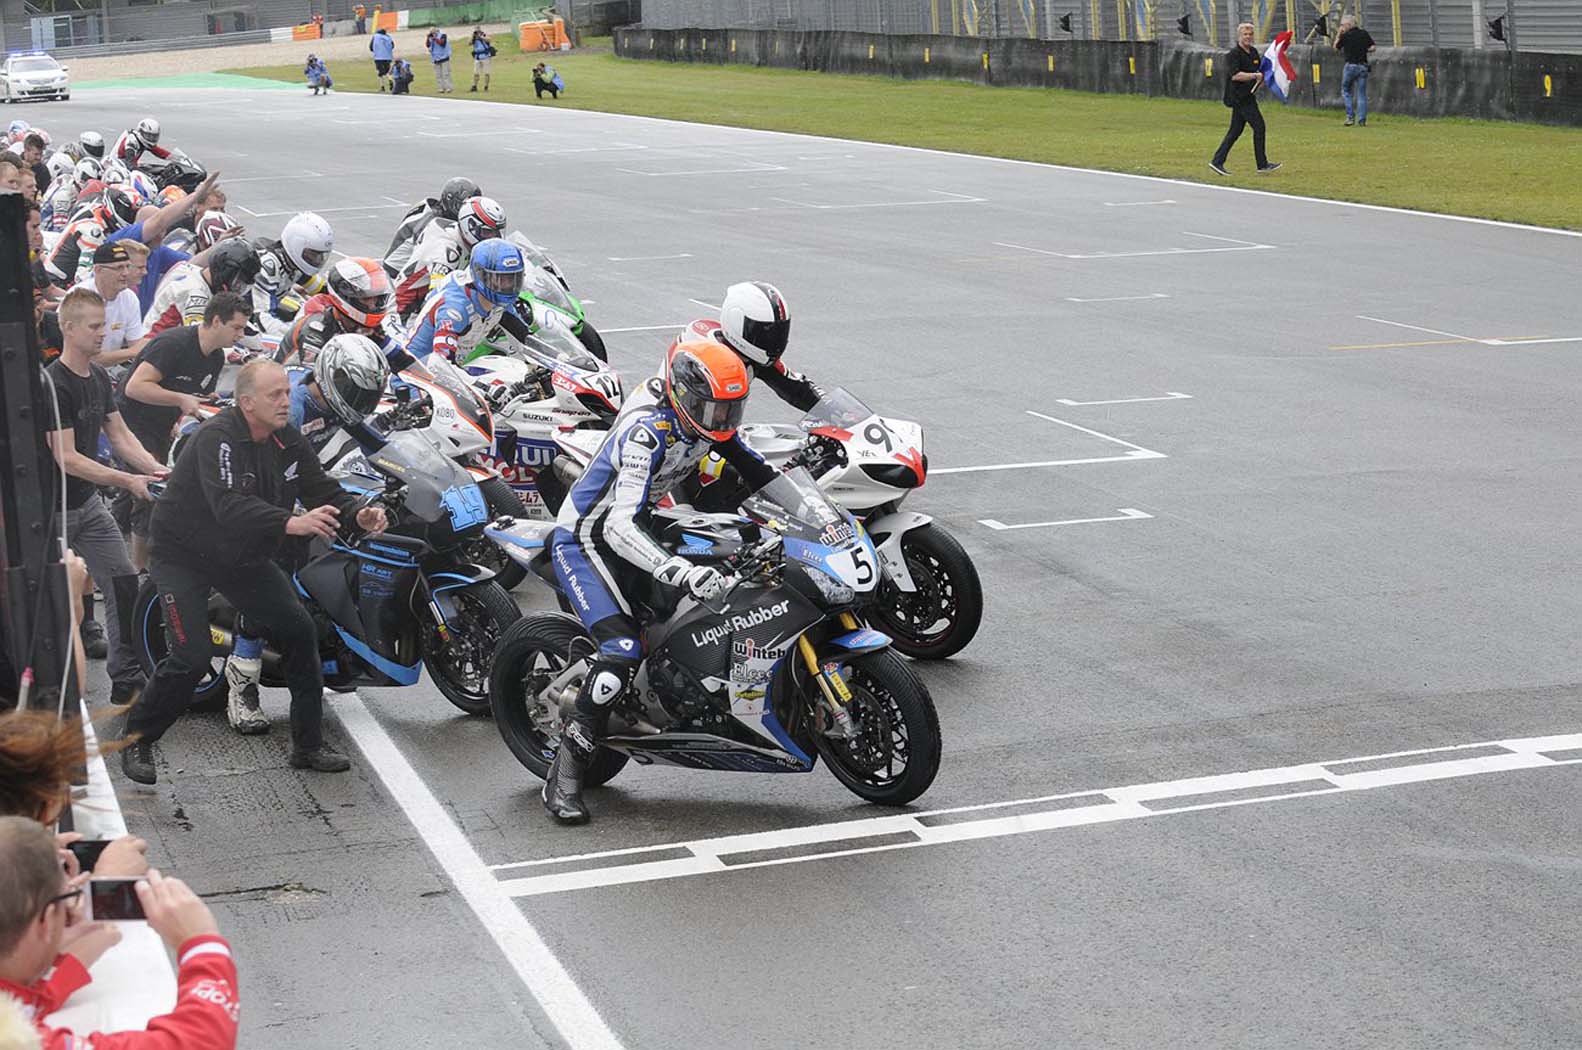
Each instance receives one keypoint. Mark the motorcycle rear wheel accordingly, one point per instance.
(896, 724)
(942, 616)
(535, 649)
(148, 636)
(459, 665)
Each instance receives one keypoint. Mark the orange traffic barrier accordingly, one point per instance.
(307, 31)
(386, 20)
(543, 36)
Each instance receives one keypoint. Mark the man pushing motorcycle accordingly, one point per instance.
(601, 538)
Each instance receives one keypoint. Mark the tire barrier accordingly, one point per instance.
(1405, 81)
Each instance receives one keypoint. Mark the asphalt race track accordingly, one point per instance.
(1254, 484)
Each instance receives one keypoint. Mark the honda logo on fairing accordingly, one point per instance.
(740, 622)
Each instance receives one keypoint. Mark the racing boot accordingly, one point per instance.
(241, 704)
(563, 786)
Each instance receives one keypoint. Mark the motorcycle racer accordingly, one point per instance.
(600, 538)
(468, 304)
(756, 323)
(295, 259)
(443, 248)
(356, 300)
(138, 142)
(443, 208)
(187, 288)
(61, 199)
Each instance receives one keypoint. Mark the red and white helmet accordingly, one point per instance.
(360, 292)
(479, 219)
(755, 321)
(147, 132)
(211, 227)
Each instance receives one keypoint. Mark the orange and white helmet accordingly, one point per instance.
(360, 292)
(707, 385)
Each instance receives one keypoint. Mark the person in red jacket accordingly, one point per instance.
(45, 952)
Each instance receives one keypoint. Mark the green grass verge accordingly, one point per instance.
(1515, 172)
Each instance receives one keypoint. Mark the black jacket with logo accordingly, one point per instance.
(229, 496)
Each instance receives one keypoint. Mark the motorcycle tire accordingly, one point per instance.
(489, 602)
(886, 694)
(148, 640)
(539, 642)
(948, 589)
(502, 500)
(593, 341)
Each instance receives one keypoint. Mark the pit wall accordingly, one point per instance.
(1421, 82)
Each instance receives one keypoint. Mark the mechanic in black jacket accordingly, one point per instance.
(223, 518)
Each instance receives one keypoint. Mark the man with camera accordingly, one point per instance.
(219, 525)
(46, 947)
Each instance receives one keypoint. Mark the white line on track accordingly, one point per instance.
(349, 207)
(1169, 396)
(1532, 342)
(1124, 514)
(625, 147)
(707, 306)
(550, 984)
(1135, 204)
(1051, 812)
(711, 171)
(1235, 245)
(1469, 338)
(647, 258)
(476, 134)
(1118, 298)
(275, 178)
(1134, 452)
(956, 198)
(644, 327)
(1095, 433)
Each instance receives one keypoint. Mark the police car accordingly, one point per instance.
(33, 74)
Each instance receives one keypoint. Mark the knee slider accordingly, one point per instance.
(608, 679)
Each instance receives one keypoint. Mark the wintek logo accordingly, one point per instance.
(719, 632)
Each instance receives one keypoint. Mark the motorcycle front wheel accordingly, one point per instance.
(894, 754)
(942, 615)
(532, 653)
(148, 635)
(459, 663)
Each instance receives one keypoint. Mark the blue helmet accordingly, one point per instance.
(497, 271)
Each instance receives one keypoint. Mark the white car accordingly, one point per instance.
(33, 74)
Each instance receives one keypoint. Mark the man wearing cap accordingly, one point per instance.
(124, 334)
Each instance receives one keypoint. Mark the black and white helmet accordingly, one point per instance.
(351, 372)
(147, 132)
(121, 207)
(480, 219)
(755, 321)
(86, 171)
(454, 192)
(91, 143)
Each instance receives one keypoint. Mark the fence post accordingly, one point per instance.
(1478, 28)
(1395, 20)
(1510, 25)
(1433, 23)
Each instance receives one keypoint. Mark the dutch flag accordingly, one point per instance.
(1278, 73)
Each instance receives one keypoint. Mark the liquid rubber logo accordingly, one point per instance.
(740, 622)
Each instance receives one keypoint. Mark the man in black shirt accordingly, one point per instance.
(228, 509)
(85, 410)
(171, 377)
(1356, 42)
(1244, 75)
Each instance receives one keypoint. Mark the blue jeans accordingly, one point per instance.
(1354, 89)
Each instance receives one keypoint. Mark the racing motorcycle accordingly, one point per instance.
(386, 606)
(929, 599)
(178, 169)
(773, 674)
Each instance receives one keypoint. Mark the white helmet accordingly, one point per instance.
(115, 172)
(755, 321)
(147, 132)
(479, 219)
(144, 184)
(86, 171)
(17, 129)
(211, 226)
(351, 372)
(91, 143)
(60, 164)
(308, 241)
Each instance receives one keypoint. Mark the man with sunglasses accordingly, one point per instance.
(46, 948)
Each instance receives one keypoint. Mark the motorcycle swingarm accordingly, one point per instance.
(886, 531)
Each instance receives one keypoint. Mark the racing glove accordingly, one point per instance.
(700, 581)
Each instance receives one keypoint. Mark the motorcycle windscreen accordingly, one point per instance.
(541, 285)
(838, 408)
(430, 478)
(459, 393)
(793, 504)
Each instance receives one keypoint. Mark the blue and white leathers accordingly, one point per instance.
(453, 319)
(645, 456)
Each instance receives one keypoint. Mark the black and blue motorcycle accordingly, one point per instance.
(386, 606)
(778, 671)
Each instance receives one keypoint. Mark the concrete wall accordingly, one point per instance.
(1424, 82)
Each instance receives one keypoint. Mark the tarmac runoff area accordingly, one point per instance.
(1270, 737)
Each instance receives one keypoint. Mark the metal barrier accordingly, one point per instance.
(138, 47)
(1551, 26)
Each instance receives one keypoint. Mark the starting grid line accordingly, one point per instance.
(999, 819)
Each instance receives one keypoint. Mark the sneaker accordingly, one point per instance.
(126, 692)
(137, 762)
(1349, 122)
(324, 759)
(1218, 169)
(1362, 123)
(94, 641)
(1267, 168)
(241, 701)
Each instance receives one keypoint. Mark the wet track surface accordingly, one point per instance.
(1337, 452)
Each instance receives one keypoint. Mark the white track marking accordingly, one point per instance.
(1103, 437)
(1234, 246)
(394, 200)
(1169, 396)
(349, 207)
(647, 258)
(644, 327)
(707, 306)
(275, 178)
(1135, 204)
(475, 134)
(1532, 342)
(1420, 328)
(1050, 812)
(550, 984)
(956, 198)
(625, 147)
(1124, 514)
(1128, 457)
(764, 168)
(1118, 298)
